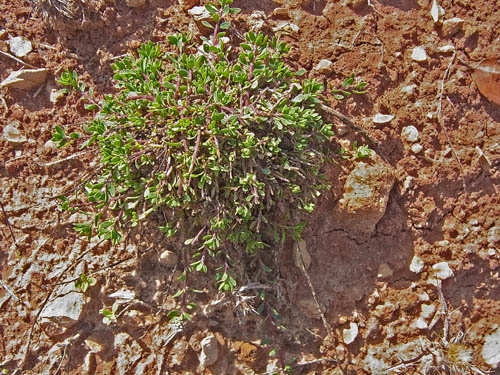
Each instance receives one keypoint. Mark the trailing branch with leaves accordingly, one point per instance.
(225, 140)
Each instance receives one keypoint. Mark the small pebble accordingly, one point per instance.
(492, 252)
(410, 134)
(12, 134)
(446, 49)
(324, 66)
(416, 148)
(380, 118)
(419, 54)
(416, 265)
(452, 26)
(408, 89)
(350, 334)
(442, 270)
(384, 271)
(20, 47)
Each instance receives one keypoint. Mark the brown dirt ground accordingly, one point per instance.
(444, 212)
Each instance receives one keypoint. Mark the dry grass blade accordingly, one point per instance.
(487, 78)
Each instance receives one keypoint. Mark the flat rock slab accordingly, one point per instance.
(25, 79)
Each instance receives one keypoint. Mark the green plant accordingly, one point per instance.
(350, 86)
(357, 152)
(109, 316)
(84, 282)
(222, 143)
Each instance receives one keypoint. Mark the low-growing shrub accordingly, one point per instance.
(225, 140)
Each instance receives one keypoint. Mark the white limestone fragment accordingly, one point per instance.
(419, 54)
(410, 134)
(324, 66)
(491, 348)
(12, 134)
(25, 79)
(416, 148)
(416, 265)
(19, 46)
(350, 334)
(380, 118)
(442, 270)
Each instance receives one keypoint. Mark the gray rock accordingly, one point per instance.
(12, 134)
(20, 47)
(209, 351)
(25, 79)
(491, 348)
(366, 193)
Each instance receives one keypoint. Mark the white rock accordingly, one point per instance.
(380, 118)
(408, 183)
(416, 265)
(492, 252)
(447, 48)
(200, 13)
(135, 3)
(350, 334)
(257, 20)
(209, 351)
(421, 323)
(409, 89)
(384, 271)
(55, 95)
(410, 134)
(419, 54)
(491, 348)
(12, 134)
(65, 311)
(20, 47)
(324, 66)
(286, 27)
(442, 270)
(452, 26)
(436, 11)
(427, 311)
(494, 235)
(416, 148)
(168, 258)
(123, 295)
(25, 79)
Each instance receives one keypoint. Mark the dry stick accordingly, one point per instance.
(441, 120)
(327, 326)
(18, 60)
(44, 303)
(348, 122)
(6, 219)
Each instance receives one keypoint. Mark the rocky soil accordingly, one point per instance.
(399, 268)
